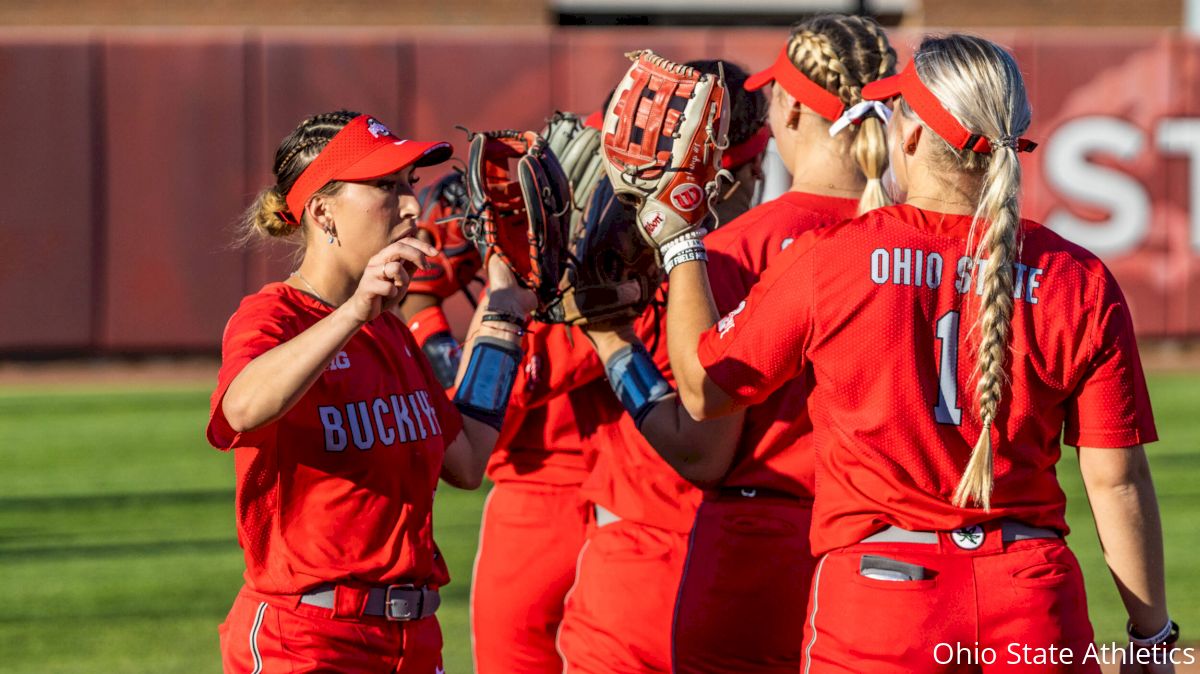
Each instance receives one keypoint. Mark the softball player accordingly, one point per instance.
(533, 520)
(950, 344)
(634, 555)
(757, 508)
(339, 429)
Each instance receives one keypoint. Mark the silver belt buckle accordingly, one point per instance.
(402, 610)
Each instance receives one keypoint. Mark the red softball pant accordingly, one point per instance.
(618, 615)
(263, 633)
(528, 543)
(967, 616)
(741, 605)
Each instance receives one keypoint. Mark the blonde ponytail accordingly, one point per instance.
(999, 208)
(262, 219)
(871, 152)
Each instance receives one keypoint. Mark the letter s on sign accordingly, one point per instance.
(1069, 171)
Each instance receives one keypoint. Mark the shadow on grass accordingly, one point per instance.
(98, 501)
(116, 550)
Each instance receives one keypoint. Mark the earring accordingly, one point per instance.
(330, 238)
(793, 120)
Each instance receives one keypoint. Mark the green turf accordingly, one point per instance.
(117, 551)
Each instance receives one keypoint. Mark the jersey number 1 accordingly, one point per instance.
(947, 410)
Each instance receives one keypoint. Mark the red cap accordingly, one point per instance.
(364, 149)
(799, 86)
(931, 111)
(746, 150)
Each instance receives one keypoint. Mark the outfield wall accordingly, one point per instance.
(128, 154)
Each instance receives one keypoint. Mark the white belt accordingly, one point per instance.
(967, 538)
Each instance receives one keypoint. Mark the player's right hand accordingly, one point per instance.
(385, 279)
(505, 292)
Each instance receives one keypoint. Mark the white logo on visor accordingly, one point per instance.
(377, 129)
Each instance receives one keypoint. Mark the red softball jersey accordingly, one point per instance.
(549, 410)
(341, 487)
(774, 450)
(883, 308)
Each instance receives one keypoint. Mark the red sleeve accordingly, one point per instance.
(1111, 406)
(260, 324)
(428, 322)
(725, 278)
(761, 344)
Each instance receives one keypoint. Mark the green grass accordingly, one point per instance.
(117, 547)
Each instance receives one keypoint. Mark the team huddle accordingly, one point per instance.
(815, 432)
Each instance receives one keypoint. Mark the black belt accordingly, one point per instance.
(394, 602)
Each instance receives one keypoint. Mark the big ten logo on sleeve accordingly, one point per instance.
(397, 418)
(726, 323)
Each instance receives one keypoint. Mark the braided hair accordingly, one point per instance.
(264, 218)
(843, 54)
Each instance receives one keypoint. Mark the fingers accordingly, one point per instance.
(396, 273)
(410, 248)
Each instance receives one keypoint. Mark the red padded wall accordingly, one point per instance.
(47, 231)
(175, 119)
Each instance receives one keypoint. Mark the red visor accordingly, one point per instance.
(745, 151)
(931, 111)
(364, 149)
(799, 86)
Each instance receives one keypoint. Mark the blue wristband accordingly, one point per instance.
(636, 380)
(444, 355)
(483, 393)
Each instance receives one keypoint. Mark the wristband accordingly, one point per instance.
(690, 255)
(428, 322)
(504, 319)
(490, 316)
(1168, 635)
(636, 380)
(483, 393)
(689, 240)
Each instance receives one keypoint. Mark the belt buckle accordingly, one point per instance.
(389, 603)
(968, 538)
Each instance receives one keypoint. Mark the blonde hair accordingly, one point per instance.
(263, 219)
(844, 53)
(981, 85)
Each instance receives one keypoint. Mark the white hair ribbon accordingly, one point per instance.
(856, 113)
